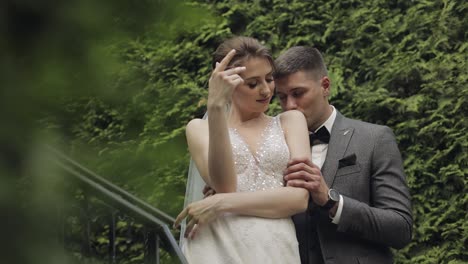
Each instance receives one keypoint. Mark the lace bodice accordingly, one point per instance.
(263, 169)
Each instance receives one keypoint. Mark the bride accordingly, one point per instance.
(241, 153)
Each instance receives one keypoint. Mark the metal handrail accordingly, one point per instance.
(122, 200)
(112, 187)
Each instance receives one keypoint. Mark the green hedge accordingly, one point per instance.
(119, 86)
(398, 63)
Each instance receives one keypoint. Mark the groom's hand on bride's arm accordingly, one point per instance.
(305, 174)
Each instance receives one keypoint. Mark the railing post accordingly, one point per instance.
(86, 246)
(156, 248)
(151, 247)
(61, 217)
(112, 240)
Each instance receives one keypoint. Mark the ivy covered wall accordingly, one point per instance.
(398, 63)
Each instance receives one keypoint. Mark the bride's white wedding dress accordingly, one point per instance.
(246, 239)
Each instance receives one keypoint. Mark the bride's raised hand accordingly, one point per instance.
(199, 214)
(222, 82)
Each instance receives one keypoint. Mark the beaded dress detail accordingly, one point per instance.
(245, 239)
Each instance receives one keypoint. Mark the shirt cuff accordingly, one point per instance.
(336, 219)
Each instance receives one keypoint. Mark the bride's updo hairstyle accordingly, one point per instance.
(246, 48)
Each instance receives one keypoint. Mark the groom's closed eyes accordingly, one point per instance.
(295, 93)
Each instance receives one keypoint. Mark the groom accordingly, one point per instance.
(360, 203)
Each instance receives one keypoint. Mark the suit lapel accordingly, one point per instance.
(339, 141)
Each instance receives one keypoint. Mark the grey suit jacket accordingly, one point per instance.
(364, 164)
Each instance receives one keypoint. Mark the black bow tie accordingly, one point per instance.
(319, 137)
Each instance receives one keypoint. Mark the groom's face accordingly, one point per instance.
(300, 91)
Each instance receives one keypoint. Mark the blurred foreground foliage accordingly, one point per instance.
(115, 82)
(71, 76)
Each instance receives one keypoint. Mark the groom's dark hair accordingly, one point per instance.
(300, 58)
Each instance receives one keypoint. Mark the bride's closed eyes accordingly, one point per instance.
(254, 83)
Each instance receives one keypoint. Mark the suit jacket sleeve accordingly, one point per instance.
(387, 218)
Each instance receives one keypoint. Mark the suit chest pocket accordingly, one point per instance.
(348, 170)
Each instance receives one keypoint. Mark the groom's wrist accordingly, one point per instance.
(319, 198)
(332, 211)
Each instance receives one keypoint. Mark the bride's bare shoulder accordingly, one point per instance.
(197, 123)
(196, 132)
(197, 126)
(291, 117)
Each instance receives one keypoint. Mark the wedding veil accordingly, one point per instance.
(193, 192)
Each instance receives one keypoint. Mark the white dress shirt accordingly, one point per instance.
(319, 153)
